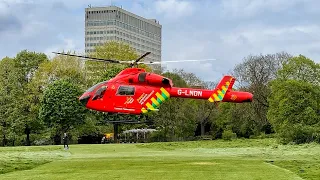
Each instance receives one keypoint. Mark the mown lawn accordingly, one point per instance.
(238, 159)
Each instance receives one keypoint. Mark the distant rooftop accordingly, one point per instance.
(120, 8)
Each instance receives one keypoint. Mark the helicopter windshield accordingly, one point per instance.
(95, 86)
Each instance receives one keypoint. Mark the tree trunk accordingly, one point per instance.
(4, 141)
(202, 124)
(28, 139)
(115, 130)
(27, 131)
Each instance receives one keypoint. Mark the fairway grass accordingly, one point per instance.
(238, 159)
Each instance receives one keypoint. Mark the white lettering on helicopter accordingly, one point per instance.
(190, 93)
(145, 97)
(125, 109)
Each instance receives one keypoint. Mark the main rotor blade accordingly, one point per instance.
(92, 58)
(141, 57)
(177, 61)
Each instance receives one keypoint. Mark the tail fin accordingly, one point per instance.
(223, 86)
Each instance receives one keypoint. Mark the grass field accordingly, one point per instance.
(238, 159)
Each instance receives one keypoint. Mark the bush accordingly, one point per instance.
(41, 139)
(299, 134)
(228, 135)
(158, 136)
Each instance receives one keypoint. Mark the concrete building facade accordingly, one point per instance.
(103, 24)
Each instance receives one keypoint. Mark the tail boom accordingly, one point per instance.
(222, 93)
(190, 93)
(228, 96)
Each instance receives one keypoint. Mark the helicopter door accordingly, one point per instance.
(124, 96)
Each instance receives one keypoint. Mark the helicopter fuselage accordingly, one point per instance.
(135, 91)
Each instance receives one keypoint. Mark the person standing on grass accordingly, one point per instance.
(65, 141)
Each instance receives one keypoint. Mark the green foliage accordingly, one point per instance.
(295, 101)
(60, 107)
(10, 94)
(60, 67)
(176, 79)
(228, 135)
(27, 64)
(253, 74)
(300, 68)
(236, 117)
(115, 50)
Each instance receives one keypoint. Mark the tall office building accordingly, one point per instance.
(103, 24)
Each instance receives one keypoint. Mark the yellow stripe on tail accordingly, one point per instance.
(224, 85)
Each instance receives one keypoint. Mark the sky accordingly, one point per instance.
(225, 30)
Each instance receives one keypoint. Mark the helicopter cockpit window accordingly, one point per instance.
(142, 77)
(126, 90)
(99, 93)
(95, 86)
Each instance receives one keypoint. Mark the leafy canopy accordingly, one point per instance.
(60, 106)
(294, 109)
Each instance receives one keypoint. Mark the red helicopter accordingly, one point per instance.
(135, 91)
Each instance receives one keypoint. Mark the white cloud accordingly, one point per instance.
(33, 28)
(174, 9)
(250, 8)
(275, 38)
(15, 2)
(4, 8)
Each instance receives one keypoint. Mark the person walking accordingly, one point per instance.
(65, 141)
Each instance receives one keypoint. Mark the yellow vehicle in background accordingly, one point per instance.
(107, 138)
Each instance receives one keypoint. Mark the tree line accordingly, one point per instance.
(39, 100)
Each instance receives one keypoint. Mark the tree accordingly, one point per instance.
(60, 108)
(300, 68)
(60, 67)
(294, 110)
(254, 75)
(295, 101)
(10, 90)
(27, 64)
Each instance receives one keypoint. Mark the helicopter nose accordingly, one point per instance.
(84, 99)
